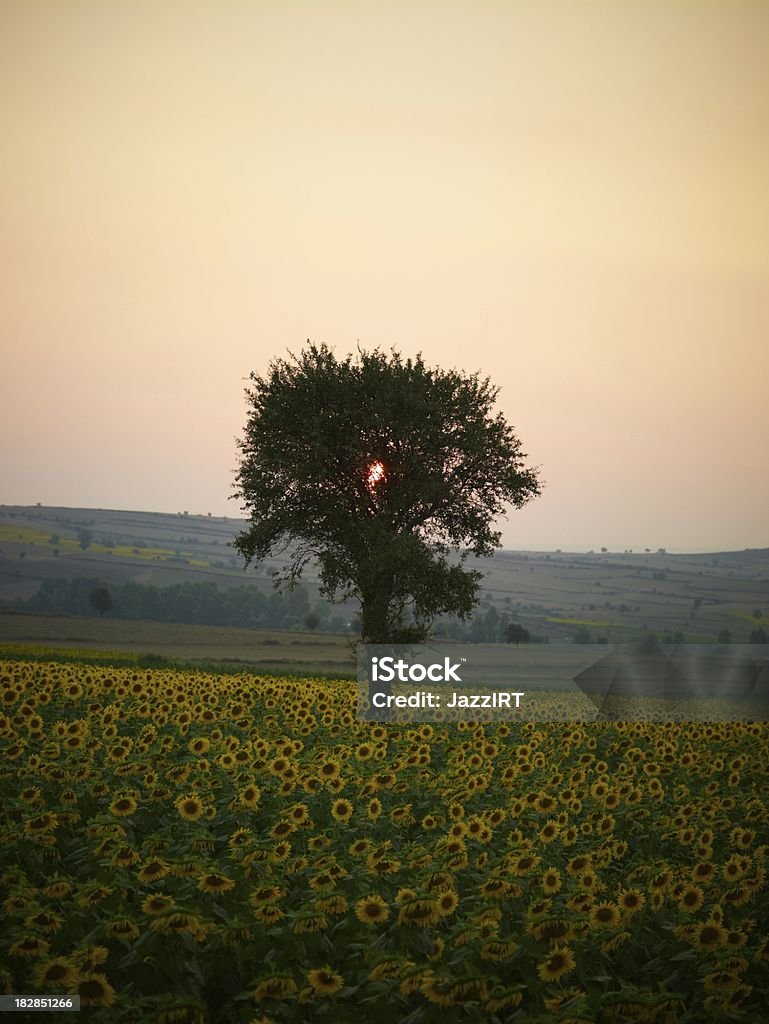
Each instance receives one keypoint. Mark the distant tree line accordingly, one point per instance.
(246, 606)
(249, 606)
(192, 603)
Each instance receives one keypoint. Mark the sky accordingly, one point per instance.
(567, 197)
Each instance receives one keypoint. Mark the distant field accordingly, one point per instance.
(303, 653)
(616, 595)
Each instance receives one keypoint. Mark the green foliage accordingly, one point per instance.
(517, 634)
(194, 603)
(101, 600)
(447, 469)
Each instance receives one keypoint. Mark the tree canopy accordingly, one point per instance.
(101, 600)
(378, 467)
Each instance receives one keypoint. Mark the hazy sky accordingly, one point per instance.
(569, 197)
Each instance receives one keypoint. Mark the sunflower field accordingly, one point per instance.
(177, 846)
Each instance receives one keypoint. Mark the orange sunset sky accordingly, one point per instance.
(572, 198)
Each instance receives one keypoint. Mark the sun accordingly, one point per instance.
(376, 474)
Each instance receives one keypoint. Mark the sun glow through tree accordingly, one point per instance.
(389, 483)
(376, 474)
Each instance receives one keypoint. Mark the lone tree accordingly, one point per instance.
(100, 600)
(378, 467)
(517, 634)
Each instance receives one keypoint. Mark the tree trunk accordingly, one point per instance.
(375, 616)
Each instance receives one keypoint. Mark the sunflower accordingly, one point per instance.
(657, 900)
(324, 981)
(117, 753)
(525, 864)
(94, 988)
(359, 847)
(710, 935)
(58, 889)
(438, 992)
(249, 797)
(414, 979)
(631, 900)
(323, 880)
(190, 807)
(182, 1013)
(371, 910)
(736, 896)
(559, 963)
(45, 822)
(312, 922)
(578, 865)
(720, 979)
(266, 894)
(384, 866)
(389, 968)
(177, 922)
(328, 770)
(18, 903)
(604, 915)
(495, 888)
(735, 867)
(551, 881)
(590, 882)
(124, 857)
(269, 914)
(30, 946)
(45, 921)
(281, 829)
(278, 986)
(549, 832)
(552, 929)
(446, 903)
(742, 838)
(374, 808)
(298, 814)
(239, 838)
(280, 852)
(497, 951)
(153, 870)
(334, 904)
(662, 881)
(341, 810)
(690, 899)
(500, 997)
(58, 974)
(89, 958)
(214, 882)
(157, 904)
(418, 912)
(122, 929)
